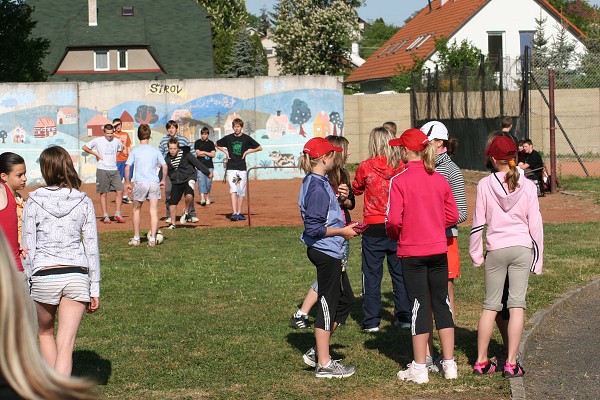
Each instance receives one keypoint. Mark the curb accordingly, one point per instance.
(517, 387)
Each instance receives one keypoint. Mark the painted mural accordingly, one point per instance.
(280, 113)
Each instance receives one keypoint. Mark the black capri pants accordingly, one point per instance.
(426, 278)
(335, 294)
(177, 191)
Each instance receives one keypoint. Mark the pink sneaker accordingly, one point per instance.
(485, 368)
(513, 370)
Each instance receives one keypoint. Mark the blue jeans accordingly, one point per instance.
(374, 250)
(204, 182)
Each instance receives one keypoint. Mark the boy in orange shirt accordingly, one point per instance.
(123, 154)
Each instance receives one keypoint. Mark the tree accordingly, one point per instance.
(402, 79)
(227, 16)
(539, 48)
(300, 114)
(3, 136)
(336, 120)
(374, 36)
(264, 23)
(579, 12)
(248, 57)
(456, 56)
(146, 115)
(314, 36)
(20, 55)
(561, 51)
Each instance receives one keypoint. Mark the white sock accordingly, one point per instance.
(450, 361)
(299, 314)
(419, 366)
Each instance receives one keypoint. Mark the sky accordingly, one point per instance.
(392, 11)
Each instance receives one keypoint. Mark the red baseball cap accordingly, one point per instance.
(318, 147)
(413, 139)
(502, 148)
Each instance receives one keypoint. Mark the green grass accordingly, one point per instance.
(588, 187)
(205, 316)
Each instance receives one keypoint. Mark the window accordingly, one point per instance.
(495, 48)
(384, 50)
(526, 39)
(101, 60)
(127, 11)
(424, 40)
(415, 44)
(122, 59)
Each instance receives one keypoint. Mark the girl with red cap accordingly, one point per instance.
(507, 203)
(324, 235)
(421, 206)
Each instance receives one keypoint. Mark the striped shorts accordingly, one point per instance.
(49, 287)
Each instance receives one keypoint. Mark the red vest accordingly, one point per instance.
(10, 225)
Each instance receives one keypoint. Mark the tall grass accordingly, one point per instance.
(205, 315)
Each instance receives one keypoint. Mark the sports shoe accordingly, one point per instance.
(134, 242)
(485, 369)
(450, 369)
(241, 217)
(203, 203)
(234, 217)
(183, 218)
(168, 220)
(171, 226)
(127, 200)
(208, 202)
(119, 219)
(402, 325)
(310, 357)
(300, 322)
(513, 370)
(193, 219)
(151, 243)
(371, 330)
(413, 375)
(334, 370)
(106, 220)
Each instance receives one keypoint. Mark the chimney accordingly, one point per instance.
(92, 13)
(442, 2)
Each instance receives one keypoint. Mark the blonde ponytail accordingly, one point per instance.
(428, 156)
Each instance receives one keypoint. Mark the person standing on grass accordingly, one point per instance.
(123, 154)
(324, 235)
(182, 167)
(145, 158)
(173, 132)
(373, 179)
(12, 178)
(237, 146)
(421, 207)
(205, 151)
(63, 261)
(108, 178)
(507, 203)
(340, 183)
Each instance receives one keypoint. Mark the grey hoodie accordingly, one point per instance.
(59, 228)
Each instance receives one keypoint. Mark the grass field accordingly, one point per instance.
(205, 315)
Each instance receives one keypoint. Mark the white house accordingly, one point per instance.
(499, 28)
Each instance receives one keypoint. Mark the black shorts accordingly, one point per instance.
(335, 294)
(178, 190)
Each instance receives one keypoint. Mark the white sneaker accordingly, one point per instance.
(208, 202)
(450, 369)
(413, 375)
(168, 220)
(371, 330)
(193, 219)
(183, 218)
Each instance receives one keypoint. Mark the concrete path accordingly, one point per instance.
(562, 349)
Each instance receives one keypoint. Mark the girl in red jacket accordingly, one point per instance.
(421, 206)
(373, 179)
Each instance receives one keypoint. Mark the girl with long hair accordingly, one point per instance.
(63, 262)
(12, 178)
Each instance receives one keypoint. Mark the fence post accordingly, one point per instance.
(525, 94)
(451, 94)
(551, 76)
(428, 94)
(413, 100)
(465, 89)
(501, 87)
(437, 92)
(482, 73)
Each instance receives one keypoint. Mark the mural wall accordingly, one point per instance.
(281, 113)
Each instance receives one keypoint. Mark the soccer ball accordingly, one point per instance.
(159, 236)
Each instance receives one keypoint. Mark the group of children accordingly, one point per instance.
(414, 199)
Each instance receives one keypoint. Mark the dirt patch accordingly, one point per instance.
(275, 203)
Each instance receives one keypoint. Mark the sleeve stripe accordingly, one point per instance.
(476, 229)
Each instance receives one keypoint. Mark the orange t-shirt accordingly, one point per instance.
(124, 138)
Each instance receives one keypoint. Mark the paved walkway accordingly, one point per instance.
(562, 350)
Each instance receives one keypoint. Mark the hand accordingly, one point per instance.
(93, 305)
(98, 157)
(244, 155)
(210, 176)
(162, 184)
(343, 192)
(23, 252)
(348, 231)
(128, 187)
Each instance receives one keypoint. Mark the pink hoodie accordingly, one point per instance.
(513, 219)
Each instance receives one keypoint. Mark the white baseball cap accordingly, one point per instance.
(435, 130)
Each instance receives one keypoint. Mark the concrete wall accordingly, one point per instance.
(267, 105)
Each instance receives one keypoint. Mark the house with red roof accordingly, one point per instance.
(322, 127)
(279, 125)
(499, 28)
(44, 127)
(96, 124)
(127, 123)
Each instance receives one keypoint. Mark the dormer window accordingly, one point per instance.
(127, 11)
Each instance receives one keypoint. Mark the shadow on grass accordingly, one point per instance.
(89, 364)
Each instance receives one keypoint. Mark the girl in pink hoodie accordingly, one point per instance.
(507, 203)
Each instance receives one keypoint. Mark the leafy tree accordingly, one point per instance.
(579, 12)
(20, 55)
(227, 16)
(313, 36)
(374, 36)
(3, 136)
(146, 115)
(455, 56)
(248, 57)
(300, 114)
(403, 77)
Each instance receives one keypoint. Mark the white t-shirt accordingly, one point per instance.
(107, 150)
